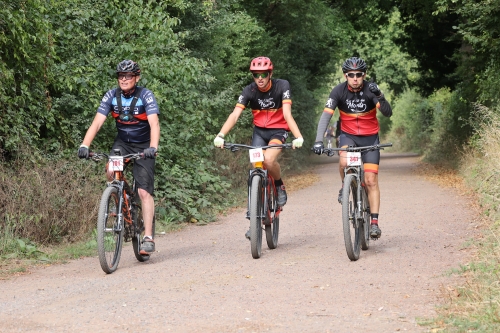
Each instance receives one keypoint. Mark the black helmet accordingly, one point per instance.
(354, 64)
(128, 66)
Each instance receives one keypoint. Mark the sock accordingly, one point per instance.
(374, 219)
(278, 182)
(150, 237)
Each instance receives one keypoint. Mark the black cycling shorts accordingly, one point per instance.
(373, 156)
(268, 136)
(144, 169)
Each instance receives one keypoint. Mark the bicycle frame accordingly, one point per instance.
(120, 182)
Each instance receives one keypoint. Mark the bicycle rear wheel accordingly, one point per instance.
(350, 224)
(139, 232)
(272, 224)
(109, 231)
(256, 204)
(365, 226)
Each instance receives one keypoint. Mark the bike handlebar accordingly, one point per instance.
(381, 146)
(98, 156)
(236, 146)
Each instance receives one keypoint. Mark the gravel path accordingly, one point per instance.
(203, 279)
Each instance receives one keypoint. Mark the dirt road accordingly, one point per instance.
(203, 278)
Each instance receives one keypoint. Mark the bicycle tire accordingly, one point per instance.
(365, 226)
(109, 239)
(272, 224)
(349, 222)
(139, 231)
(256, 217)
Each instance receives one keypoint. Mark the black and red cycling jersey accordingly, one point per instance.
(267, 107)
(358, 110)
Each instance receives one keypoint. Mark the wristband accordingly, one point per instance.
(221, 135)
(84, 146)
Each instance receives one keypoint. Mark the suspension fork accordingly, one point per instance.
(262, 173)
(119, 185)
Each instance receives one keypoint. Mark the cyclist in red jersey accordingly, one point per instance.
(358, 101)
(271, 103)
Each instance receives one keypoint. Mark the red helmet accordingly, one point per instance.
(261, 64)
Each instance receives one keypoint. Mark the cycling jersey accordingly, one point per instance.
(358, 110)
(136, 130)
(267, 107)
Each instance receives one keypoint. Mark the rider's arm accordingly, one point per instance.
(323, 124)
(231, 120)
(287, 114)
(384, 106)
(154, 123)
(93, 129)
(328, 111)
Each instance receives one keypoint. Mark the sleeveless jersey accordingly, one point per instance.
(137, 130)
(267, 107)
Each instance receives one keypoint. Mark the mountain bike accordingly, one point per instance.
(120, 213)
(263, 209)
(355, 205)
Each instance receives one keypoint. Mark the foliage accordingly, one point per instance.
(26, 55)
(476, 308)
(387, 62)
(411, 121)
(432, 41)
(51, 201)
(58, 60)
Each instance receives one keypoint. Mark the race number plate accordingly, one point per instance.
(256, 155)
(116, 163)
(353, 158)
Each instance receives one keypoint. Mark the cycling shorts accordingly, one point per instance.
(371, 159)
(268, 136)
(144, 169)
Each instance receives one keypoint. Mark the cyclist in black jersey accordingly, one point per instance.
(271, 103)
(358, 102)
(136, 114)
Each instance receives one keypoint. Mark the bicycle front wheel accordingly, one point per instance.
(272, 224)
(349, 212)
(256, 205)
(109, 231)
(139, 232)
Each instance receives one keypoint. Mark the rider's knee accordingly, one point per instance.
(371, 179)
(269, 163)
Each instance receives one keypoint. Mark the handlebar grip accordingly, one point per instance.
(385, 145)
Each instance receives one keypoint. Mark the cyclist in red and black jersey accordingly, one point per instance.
(271, 103)
(358, 101)
(136, 113)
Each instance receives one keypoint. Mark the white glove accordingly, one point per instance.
(219, 140)
(297, 143)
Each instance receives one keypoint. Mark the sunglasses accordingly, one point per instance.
(260, 75)
(125, 76)
(358, 75)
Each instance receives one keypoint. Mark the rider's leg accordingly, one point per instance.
(274, 169)
(271, 162)
(148, 209)
(342, 164)
(371, 182)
